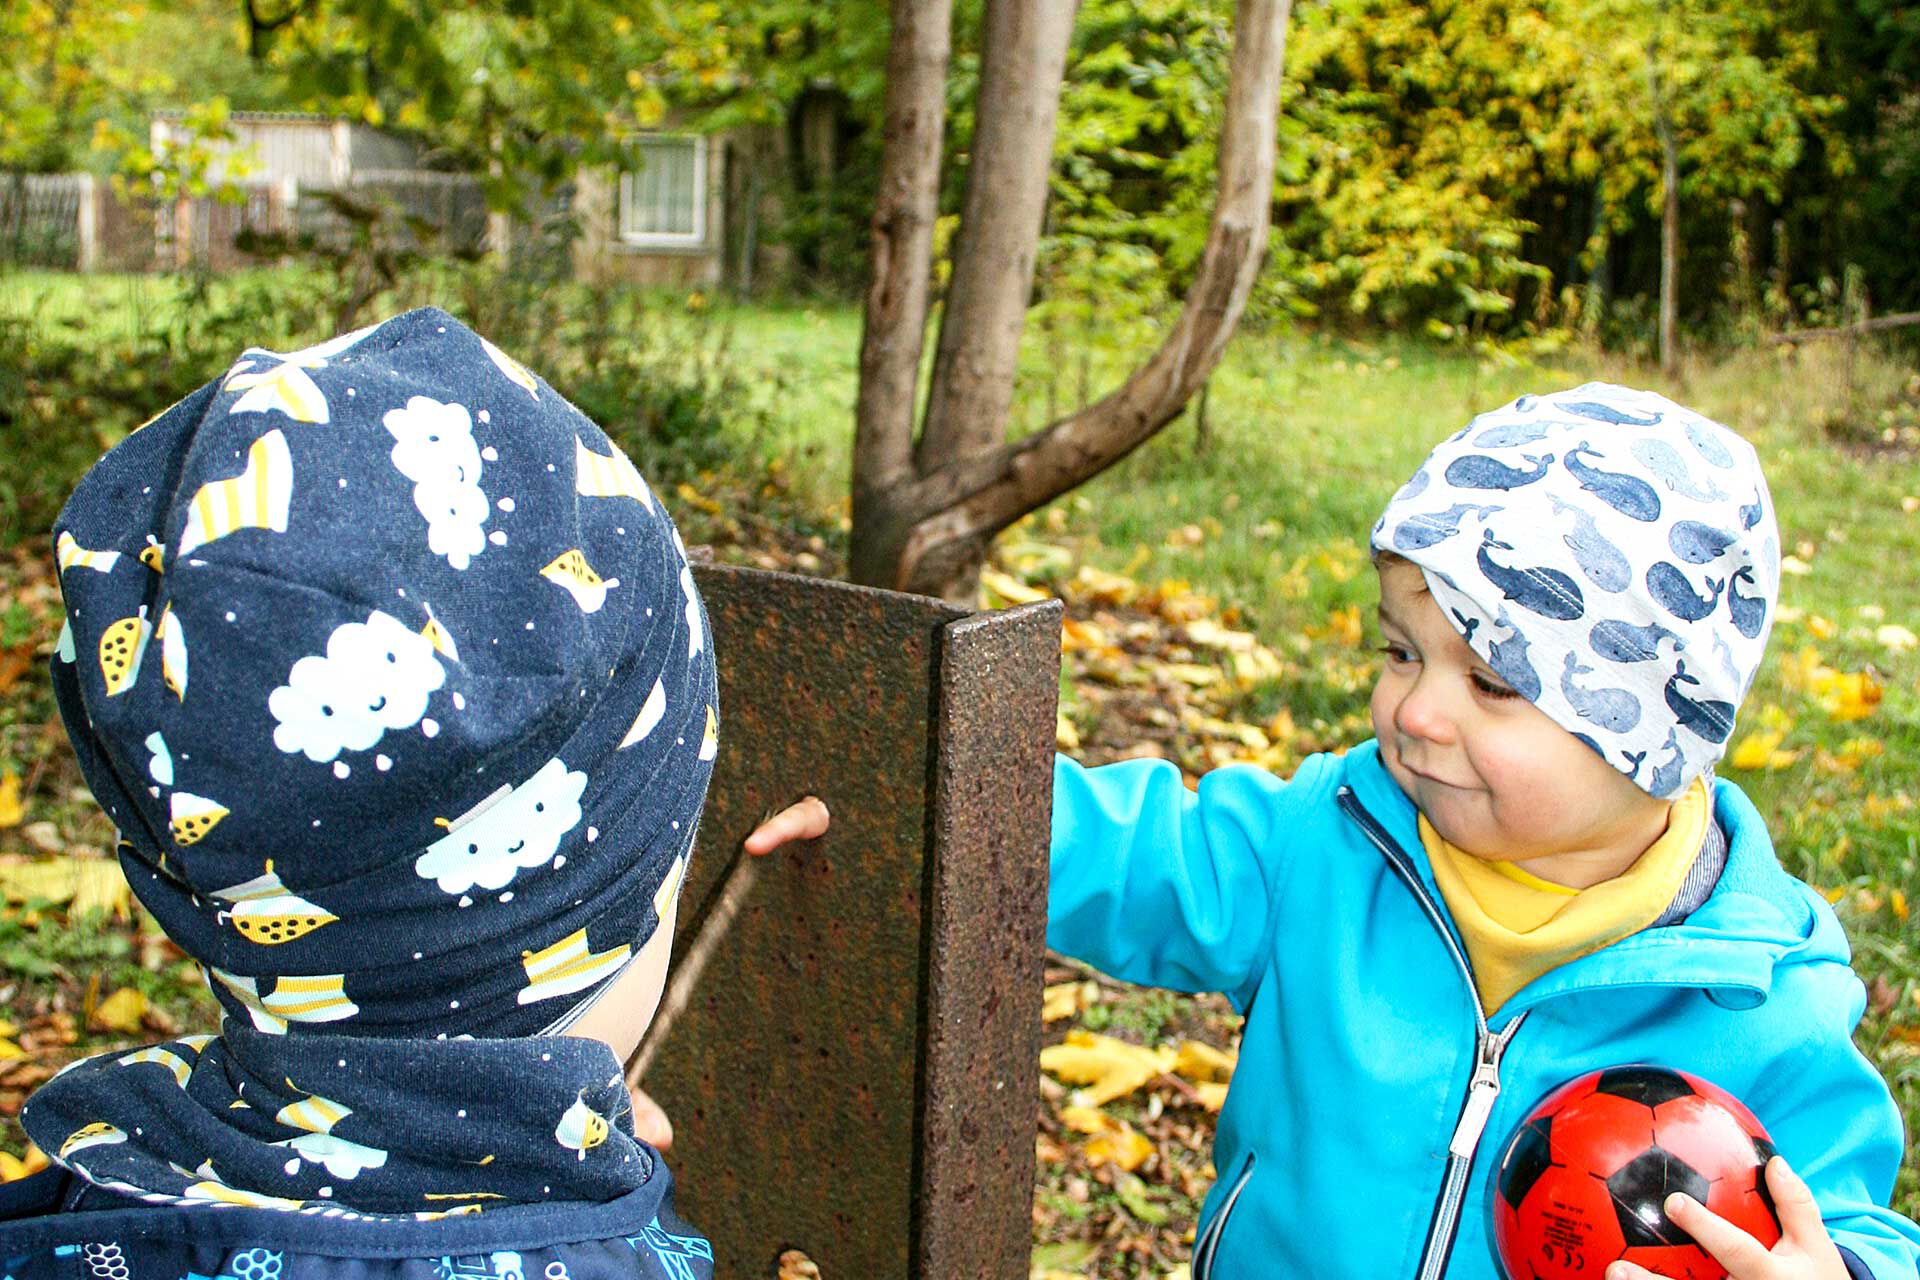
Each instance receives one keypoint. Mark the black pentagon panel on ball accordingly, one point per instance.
(1766, 1151)
(1639, 1191)
(1649, 1085)
(1530, 1156)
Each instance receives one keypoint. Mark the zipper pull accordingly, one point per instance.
(1481, 1095)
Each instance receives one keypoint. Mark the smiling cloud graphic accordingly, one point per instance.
(434, 448)
(376, 676)
(343, 1159)
(521, 829)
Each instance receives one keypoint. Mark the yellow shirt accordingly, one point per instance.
(1517, 926)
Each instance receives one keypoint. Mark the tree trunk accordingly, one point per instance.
(920, 48)
(1669, 212)
(1022, 60)
(924, 518)
(1669, 251)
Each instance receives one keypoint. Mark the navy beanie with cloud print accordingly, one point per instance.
(390, 669)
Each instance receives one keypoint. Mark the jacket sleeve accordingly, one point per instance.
(1833, 1118)
(1160, 885)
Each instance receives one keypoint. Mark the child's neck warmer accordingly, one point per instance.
(391, 671)
(344, 1124)
(1517, 926)
(1613, 556)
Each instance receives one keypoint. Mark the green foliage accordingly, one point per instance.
(63, 65)
(660, 378)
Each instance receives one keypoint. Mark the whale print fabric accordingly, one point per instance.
(1614, 557)
(435, 776)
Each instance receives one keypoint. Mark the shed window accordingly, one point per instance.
(664, 202)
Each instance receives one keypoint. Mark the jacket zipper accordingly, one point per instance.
(1209, 1244)
(1483, 1090)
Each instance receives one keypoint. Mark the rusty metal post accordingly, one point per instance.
(854, 1074)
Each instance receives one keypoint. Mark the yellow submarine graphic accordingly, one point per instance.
(568, 966)
(603, 475)
(68, 551)
(122, 645)
(193, 816)
(570, 570)
(439, 637)
(669, 887)
(649, 717)
(265, 912)
(97, 1134)
(515, 371)
(212, 1189)
(257, 498)
(173, 653)
(710, 740)
(581, 1128)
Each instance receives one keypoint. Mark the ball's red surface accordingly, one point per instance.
(1583, 1179)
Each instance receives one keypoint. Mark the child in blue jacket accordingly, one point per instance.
(1529, 873)
(390, 670)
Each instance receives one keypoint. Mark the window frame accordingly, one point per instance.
(695, 239)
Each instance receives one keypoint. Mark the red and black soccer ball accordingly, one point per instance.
(1583, 1179)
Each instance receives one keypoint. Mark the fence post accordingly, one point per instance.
(87, 258)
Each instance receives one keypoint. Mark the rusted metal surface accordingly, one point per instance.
(992, 793)
(852, 1077)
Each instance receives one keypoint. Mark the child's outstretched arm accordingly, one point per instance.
(1157, 884)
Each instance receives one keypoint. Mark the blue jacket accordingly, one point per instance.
(1372, 1094)
(55, 1228)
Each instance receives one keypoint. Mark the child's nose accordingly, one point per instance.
(1420, 714)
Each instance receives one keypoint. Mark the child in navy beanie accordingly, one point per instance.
(390, 670)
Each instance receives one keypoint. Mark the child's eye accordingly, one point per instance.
(1491, 689)
(1396, 652)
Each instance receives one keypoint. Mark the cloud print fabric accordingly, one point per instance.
(1614, 557)
(391, 671)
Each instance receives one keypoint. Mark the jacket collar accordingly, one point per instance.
(1756, 918)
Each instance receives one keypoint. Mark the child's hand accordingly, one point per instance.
(803, 820)
(1805, 1250)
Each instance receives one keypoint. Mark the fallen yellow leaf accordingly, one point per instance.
(1761, 751)
(1202, 1062)
(1112, 1068)
(1009, 590)
(1064, 999)
(121, 1011)
(1822, 627)
(1065, 736)
(1101, 587)
(1897, 899)
(1082, 1119)
(11, 810)
(13, 1168)
(1851, 696)
(84, 883)
(1127, 1149)
(9, 1050)
(1212, 1096)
